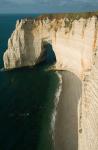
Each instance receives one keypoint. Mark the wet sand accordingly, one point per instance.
(66, 125)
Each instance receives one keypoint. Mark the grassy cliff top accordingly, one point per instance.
(72, 16)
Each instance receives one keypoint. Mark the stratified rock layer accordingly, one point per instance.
(74, 39)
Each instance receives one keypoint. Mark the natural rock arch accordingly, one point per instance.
(73, 47)
(47, 53)
(75, 44)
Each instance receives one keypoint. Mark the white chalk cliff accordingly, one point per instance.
(75, 43)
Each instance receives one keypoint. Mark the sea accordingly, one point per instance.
(28, 99)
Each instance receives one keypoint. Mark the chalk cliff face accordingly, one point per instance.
(88, 138)
(75, 44)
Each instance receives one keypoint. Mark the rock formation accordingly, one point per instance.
(74, 39)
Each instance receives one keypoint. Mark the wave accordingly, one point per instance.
(2, 69)
(56, 100)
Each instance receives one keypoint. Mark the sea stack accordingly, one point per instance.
(74, 39)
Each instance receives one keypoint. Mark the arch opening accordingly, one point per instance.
(47, 56)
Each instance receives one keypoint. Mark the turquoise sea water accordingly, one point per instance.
(26, 100)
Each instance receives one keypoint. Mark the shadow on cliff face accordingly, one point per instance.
(66, 126)
(47, 56)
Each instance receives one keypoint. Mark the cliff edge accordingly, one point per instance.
(74, 39)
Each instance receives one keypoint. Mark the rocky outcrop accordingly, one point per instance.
(74, 39)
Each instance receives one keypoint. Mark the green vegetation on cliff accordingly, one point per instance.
(71, 16)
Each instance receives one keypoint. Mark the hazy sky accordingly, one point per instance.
(37, 6)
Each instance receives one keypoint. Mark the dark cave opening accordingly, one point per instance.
(47, 57)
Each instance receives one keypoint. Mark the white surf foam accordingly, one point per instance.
(56, 100)
(2, 69)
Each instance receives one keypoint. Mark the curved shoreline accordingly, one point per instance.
(56, 100)
(66, 124)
